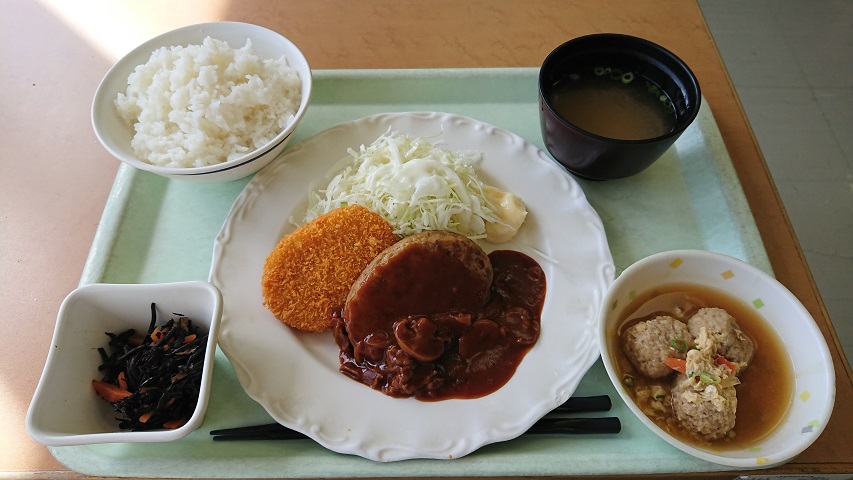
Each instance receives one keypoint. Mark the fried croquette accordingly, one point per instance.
(309, 273)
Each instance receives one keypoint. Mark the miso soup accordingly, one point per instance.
(613, 104)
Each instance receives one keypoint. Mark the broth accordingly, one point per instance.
(604, 104)
(767, 385)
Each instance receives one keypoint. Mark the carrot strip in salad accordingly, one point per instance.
(176, 423)
(122, 380)
(721, 360)
(109, 392)
(677, 364)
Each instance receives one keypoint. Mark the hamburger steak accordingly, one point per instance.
(435, 317)
(460, 281)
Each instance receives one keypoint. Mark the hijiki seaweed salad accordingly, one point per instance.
(153, 380)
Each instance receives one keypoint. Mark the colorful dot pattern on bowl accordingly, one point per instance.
(810, 427)
(727, 275)
(758, 303)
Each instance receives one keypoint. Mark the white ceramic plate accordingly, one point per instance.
(294, 375)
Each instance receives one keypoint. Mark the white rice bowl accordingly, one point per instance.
(188, 108)
(200, 105)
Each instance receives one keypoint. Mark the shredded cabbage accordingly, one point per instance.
(412, 183)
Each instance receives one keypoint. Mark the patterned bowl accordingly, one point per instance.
(813, 397)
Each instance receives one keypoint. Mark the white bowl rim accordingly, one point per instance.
(782, 456)
(149, 46)
(125, 436)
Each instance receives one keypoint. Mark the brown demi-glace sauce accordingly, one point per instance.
(483, 345)
(767, 385)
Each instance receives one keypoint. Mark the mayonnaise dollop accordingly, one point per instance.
(511, 211)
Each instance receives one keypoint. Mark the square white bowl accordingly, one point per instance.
(65, 409)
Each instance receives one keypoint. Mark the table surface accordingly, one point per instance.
(55, 177)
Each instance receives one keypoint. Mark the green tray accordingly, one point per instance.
(157, 230)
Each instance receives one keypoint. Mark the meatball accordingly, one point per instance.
(707, 411)
(647, 344)
(735, 345)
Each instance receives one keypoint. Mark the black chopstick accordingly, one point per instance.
(547, 425)
(554, 426)
(596, 403)
(270, 431)
(565, 426)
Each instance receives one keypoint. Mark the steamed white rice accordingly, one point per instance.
(204, 104)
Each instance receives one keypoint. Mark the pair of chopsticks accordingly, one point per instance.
(550, 424)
